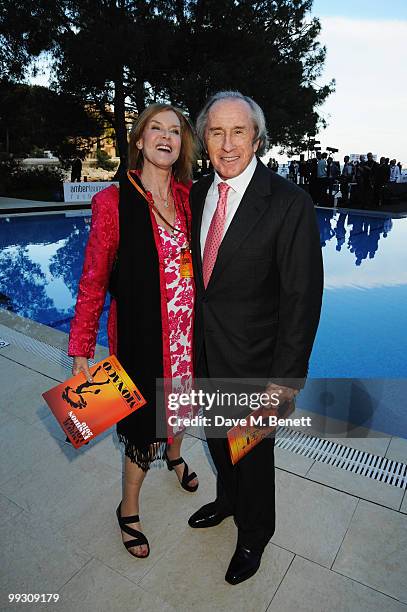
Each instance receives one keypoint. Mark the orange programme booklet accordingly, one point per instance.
(85, 409)
(253, 428)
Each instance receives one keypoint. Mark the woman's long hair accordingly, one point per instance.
(182, 168)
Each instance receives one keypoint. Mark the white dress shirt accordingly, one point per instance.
(238, 186)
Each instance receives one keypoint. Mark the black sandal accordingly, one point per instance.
(186, 477)
(139, 538)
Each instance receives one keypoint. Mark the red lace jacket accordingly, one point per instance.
(99, 256)
(100, 253)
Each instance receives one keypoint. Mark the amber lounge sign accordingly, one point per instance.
(84, 192)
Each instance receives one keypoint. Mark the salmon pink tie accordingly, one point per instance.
(215, 233)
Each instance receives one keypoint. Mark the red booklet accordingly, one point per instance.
(84, 409)
(253, 428)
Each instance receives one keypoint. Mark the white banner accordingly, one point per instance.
(84, 192)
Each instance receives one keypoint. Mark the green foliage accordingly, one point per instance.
(104, 161)
(35, 183)
(36, 153)
(37, 118)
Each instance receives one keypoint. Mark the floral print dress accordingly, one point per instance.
(180, 306)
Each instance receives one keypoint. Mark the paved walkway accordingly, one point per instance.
(16, 205)
(340, 543)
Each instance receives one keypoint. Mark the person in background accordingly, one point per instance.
(145, 228)
(313, 180)
(347, 177)
(382, 178)
(372, 165)
(333, 173)
(303, 170)
(76, 170)
(291, 171)
(395, 173)
(322, 177)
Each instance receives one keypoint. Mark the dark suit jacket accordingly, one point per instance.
(259, 314)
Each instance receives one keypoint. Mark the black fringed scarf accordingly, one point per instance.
(142, 348)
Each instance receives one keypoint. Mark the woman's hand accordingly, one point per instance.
(80, 364)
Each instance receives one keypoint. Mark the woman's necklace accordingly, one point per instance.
(158, 196)
(166, 204)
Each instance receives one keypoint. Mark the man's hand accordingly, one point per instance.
(284, 394)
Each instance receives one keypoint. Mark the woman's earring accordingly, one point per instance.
(139, 145)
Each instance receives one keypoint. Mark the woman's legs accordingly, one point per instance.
(173, 452)
(133, 479)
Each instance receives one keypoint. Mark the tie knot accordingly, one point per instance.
(223, 189)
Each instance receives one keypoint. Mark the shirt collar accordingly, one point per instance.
(238, 183)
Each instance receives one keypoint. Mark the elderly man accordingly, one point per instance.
(258, 271)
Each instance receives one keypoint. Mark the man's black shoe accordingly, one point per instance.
(207, 516)
(243, 565)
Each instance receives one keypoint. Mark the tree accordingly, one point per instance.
(36, 117)
(266, 49)
(120, 55)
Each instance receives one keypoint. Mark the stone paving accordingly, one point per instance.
(340, 542)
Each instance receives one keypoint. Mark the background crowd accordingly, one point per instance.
(323, 176)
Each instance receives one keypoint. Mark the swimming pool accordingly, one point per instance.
(363, 328)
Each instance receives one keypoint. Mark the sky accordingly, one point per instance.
(366, 43)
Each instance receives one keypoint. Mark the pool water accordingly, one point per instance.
(41, 260)
(363, 327)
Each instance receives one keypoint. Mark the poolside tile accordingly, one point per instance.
(397, 450)
(8, 509)
(97, 587)
(164, 510)
(94, 528)
(403, 507)
(6, 417)
(41, 332)
(36, 558)
(39, 365)
(60, 483)
(104, 448)
(374, 550)
(311, 519)
(22, 447)
(292, 462)
(190, 576)
(308, 587)
(356, 484)
(23, 398)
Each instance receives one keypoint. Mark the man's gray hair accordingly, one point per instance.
(259, 120)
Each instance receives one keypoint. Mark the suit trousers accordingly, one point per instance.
(245, 490)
